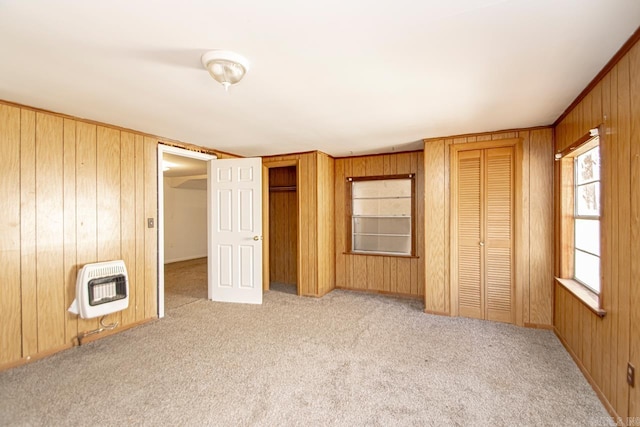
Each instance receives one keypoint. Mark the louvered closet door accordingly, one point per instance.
(499, 234)
(485, 233)
(470, 269)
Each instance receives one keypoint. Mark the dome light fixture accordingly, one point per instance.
(225, 66)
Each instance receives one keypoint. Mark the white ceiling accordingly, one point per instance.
(340, 76)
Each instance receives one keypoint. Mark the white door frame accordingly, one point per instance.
(184, 153)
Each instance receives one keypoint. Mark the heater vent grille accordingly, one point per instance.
(101, 288)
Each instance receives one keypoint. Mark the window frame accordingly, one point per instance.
(567, 215)
(349, 215)
(588, 146)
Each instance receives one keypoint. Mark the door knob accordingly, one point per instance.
(481, 243)
(256, 238)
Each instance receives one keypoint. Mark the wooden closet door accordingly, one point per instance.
(484, 227)
(469, 228)
(498, 233)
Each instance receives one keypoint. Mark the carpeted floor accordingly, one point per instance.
(345, 359)
(185, 282)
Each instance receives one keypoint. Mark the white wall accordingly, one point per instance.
(185, 222)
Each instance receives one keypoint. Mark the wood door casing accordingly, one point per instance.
(483, 244)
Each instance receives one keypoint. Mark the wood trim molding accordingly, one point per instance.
(584, 295)
(391, 153)
(88, 339)
(479, 134)
(626, 47)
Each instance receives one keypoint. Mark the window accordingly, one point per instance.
(579, 228)
(587, 219)
(382, 215)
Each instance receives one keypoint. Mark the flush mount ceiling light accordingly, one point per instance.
(225, 66)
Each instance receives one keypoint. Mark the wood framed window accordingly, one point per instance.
(381, 213)
(580, 209)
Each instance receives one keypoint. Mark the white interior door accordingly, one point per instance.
(235, 254)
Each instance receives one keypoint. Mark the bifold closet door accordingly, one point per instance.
(485, 206)
(470, 268)
(498, 233)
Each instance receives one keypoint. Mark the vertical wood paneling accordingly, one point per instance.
(634, 297)
(604, 346)
(151, 234)
(348, 260)
(340, 238)
(283, 234)
(70, 270)
(50, 231)
(10, 310)
(540, 228)
(624, 214)
(523, 234)
(435, 285)
(326, 222)
(128, 219)
(108, 198)
(379, 273)
(607, 237)
(315, 225)
(536, 175)
(74, 194)
(418, 274)
(141, 227)
(28, 232)
(86, 210)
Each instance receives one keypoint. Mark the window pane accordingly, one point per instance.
(386, 244)
(587, 233)
(587, 270)
(382, 225)
(381, 188)
(588, 199)
(399, 207)
(588, 166)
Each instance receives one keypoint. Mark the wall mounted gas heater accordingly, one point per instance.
(102, 288)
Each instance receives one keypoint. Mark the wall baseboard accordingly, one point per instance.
(387, 293)
(538, 326)
(589, 378)
(51, 352)
(437, 313)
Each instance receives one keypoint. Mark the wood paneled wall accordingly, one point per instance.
(604, 346)
(72, 193)
(283, 226)
(316, 274)
(385, 274)
(534, 226)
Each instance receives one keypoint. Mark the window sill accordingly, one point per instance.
(379, 254)
(584, 295)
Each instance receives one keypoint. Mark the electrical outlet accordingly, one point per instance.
(631, 375)
(150, 223)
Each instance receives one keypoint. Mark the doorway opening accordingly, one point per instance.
(183, 237)
(282, 205)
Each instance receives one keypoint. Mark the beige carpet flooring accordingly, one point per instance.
(185, 282)
(348, 359)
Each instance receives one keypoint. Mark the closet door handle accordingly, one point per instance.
(481, 243)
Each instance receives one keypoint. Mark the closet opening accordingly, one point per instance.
(281, 203)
